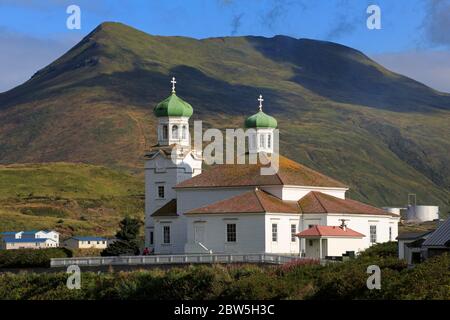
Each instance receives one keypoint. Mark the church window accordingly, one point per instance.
(175, 132)
(166, 234)
(183, 132)
(373, 233)
(165, 132)
(151, 237)
(293, 232)
(269, 141)
(274, 232)
(161, 192)
(231, 232)
(390, 233)
(262, 141)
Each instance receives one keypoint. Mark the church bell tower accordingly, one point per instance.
(169, 162)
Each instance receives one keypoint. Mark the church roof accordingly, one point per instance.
(261, 120)
(260, 201)
(329, 231)
(239, 175)
(318, 202)
(167, 210)
(255, 201)
(173, 106)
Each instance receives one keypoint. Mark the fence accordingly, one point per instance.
(174, 259)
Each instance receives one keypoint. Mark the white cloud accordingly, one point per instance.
(429, 67)
(22, 55)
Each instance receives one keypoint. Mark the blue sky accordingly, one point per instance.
(414, 39)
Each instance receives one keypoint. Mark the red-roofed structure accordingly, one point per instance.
(329, 231)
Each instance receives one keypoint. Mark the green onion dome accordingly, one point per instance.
(173, 106)
(260, 120)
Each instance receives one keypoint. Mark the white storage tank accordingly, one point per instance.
(393, 210)
(422, 213)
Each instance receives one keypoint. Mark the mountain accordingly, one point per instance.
(338, 111)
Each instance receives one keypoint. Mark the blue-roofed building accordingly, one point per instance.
(27, 243)
(86, 242)
(30, 239)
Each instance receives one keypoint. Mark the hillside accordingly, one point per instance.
(339, 112)
(71, 198)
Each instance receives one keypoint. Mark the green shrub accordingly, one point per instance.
(381, 250)
(22, 258)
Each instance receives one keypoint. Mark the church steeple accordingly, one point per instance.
(173, 116)
(263, 125)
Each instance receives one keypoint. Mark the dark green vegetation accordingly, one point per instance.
(31, 258)
(74, 199)
(347, 280)
(127, 239)
(339, 112)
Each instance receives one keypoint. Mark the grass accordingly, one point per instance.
(74, 199)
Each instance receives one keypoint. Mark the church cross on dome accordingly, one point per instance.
(260, 102)
(173, 84)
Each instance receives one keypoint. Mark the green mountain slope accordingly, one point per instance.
(71, 198)
(339, 112)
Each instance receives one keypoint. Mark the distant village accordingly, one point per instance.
(42, 239)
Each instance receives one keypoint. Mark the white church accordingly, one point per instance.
(232, 208)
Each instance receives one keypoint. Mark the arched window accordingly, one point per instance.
(174, 132)
(262, 142)
(165, 132)
(183, 132)
(269, 141)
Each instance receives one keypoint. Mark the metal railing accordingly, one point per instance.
(175, 259)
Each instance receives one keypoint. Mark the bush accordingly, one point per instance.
(382, 250)
(22, 258)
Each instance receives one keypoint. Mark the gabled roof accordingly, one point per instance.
(255, 201)
(167, 210)
(440, 237)
(259, 201)
(238, 175)
(329, 231)
(318, 202)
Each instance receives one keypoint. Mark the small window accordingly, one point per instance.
(274, 232)
(390, 233)
(89, 242)
(310, 243)
(262, 142)
(174, 132)
(151, 237)
(165, 132)
(183, 133)
(161, 192)
(166, 234)
(269, 141)
(293, 232)
(231, 232)
(373, 234)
